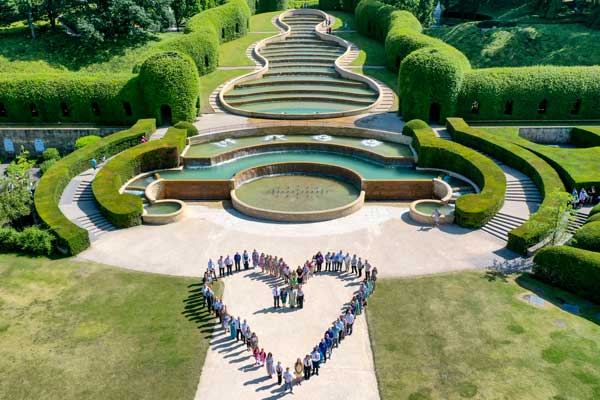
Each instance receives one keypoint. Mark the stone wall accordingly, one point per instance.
(194, 189)
(35, 140)
(398, 190)
(557, 135)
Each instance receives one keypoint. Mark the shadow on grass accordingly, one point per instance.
(195, 310)
(559, 298)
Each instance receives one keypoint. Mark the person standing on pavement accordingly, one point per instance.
(229, 265)
(354, 264)
(276, 296)
(347, 261)
(246, 259)
(288, 378)
(237, 258)
(307, 365)
(221, 265)
(315, 357)
(279, 372)
(360, 267)
(367, 270)
(300, 297)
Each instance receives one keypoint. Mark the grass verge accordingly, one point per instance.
(209, 82)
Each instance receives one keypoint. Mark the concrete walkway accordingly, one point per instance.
(229, 371)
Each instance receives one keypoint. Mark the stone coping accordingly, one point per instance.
(265, 68)
(423, 218)
(282, 146)
(453, 174)
(161, 219)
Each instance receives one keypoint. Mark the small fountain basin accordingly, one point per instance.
(421, 211)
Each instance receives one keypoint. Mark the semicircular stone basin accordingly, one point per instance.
(163, 212)
(421, 211)
(301, 79)
(297, 192)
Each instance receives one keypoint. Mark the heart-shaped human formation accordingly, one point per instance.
(287, 289)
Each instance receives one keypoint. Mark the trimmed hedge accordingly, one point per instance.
(528, 93)
(585, 136)
(70, 237)
(169, 80)
(527, 88)
(472, 210)
(188, 126)
(539, 226)
(595, 210)
(587, 237)
(71, 97)
(271, 5)
(411, 126)
(338, 5)
(124, 209)
(224, 23)
(572, 269)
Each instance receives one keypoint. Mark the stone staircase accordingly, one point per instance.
(578, 218)
(252, 55)
(501, 224)
(78, 204)
(387, 100)
(351, 56)
(523, 190)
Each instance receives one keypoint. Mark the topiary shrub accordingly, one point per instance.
(572, 269)
(429, 83)
(472, 210)
(123, 209)
(587, 237)
(83, 141)
(72, 239)
(70, 97)
(169, 83)
(188, 126)
(202, 49)
(8, 239)
(411, 126)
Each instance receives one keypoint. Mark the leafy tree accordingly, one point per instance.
(101, 20)
(53, 9)
(183, 9)
(15, 197)
(548, 8)
(21, 164)
(9, 12)
(30, 11)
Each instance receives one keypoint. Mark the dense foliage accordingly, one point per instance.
(540, 225)
(570, 268)
(123, 209)
(31, 240)
(15, 197)
(587, 237)
(169, 83)
(72, 239)
(472, 210)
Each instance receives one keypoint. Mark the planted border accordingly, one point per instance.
(472, 210)
(539, 226)
(70, 237)
(123, 209)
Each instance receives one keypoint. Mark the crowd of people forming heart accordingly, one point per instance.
(293, 281)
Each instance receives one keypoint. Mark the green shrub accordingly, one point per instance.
(86, 140)
(595, 210)
(430, 76)
(594, 218)
(527, 88)
(587, 237)
(272, 5)
(8, 239)
(585, 136)
(94, 98)
(202, 49)
(339, 5)
(411, 126)
(123, 209)
(224, 23)
(33, 240)
(51, 153)
(45, 166)
(188, 126)
(540, 224)
(169, 83)
(572, 269)
(472, 210)
(71, 238)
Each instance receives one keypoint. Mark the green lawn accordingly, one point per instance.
(385, 76)
(262, 22)
(208, 83)
(576, 166)
(469, 335)
(233, 54)
(343, 21)
(71, 330)
(537, 44)
(371, 51)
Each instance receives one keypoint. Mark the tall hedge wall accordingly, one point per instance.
(125, 210)
(170, 80)
(528, 93)
(539, 226)
(70, 97)
(338, 5)
(271, 5)
(569, 93)
(472, 210)
(569, 268)
(70, 237)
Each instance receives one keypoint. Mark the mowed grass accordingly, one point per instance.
(371, 51)
(262, 22)
(343, 20)
(233, 54)
(579, 165)
(209, 82)
(385, 76)
(71, 330)
(536, 44)
(470, 335)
